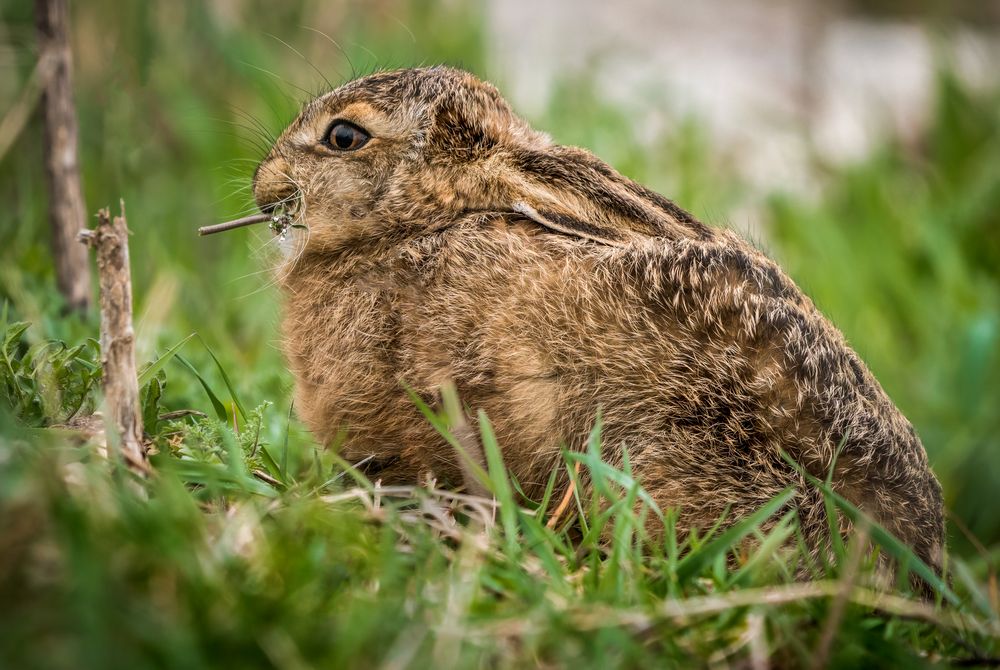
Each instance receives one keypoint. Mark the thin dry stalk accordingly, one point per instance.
(67, 212)
(685, 611)
(821, 657)
(567, 497)
(121, 385)
(238, 223)
(477, 508)
(266, 478)
(757, 634)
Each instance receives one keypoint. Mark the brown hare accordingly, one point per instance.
(443, 240)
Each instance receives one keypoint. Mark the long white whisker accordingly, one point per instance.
(354, 70)
(299, 54)
(300, 241)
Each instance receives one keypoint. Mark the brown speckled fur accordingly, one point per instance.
(461, 245)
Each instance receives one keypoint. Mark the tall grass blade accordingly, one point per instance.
(500, 486)
(225, 379)
(150, 370)
(697, 560)
(220, 409)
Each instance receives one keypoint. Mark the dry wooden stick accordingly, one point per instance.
(121, 385)
(67, 213)
(238, 223)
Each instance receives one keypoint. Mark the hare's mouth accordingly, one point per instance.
(286, 217)
(280, 223)
(279, 219)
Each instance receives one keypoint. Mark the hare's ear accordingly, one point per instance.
(563, 223)
(570, 191)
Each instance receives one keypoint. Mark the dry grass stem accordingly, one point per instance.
(567, 497)
(683, 611)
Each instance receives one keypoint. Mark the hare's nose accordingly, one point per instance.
(273, 185)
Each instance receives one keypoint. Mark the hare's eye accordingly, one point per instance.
(345, 136)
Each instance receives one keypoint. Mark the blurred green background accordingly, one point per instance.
(176, 101)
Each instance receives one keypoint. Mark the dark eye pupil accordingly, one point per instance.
(344, 136)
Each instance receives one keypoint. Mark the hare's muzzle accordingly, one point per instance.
(273, 188)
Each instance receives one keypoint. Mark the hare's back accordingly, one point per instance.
(703, 355)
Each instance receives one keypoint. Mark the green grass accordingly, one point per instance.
(253, 548)
(258, 552)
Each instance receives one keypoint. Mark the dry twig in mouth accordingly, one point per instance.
(238, 223)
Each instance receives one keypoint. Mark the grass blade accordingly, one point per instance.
(696, 561)
(150, 371)
(220, 409)
(442, 424)
(500, 486)
(225, 379)
(892, 545)
(600, 469)
(271, 464)
(896, 548)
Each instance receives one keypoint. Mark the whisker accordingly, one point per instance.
(402, 25)
(354, 70)
(238, 184)
(301, 242)
(281, 79)
(253, 141)
(246, 211)
(369, 52)
(263, 130)
(299, 54)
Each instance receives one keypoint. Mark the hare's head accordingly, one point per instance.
(399, 152)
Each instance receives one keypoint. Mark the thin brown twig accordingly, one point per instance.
(238, 223)
(266, 478)
(180, 414)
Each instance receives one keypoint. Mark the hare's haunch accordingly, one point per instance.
(440, 239)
